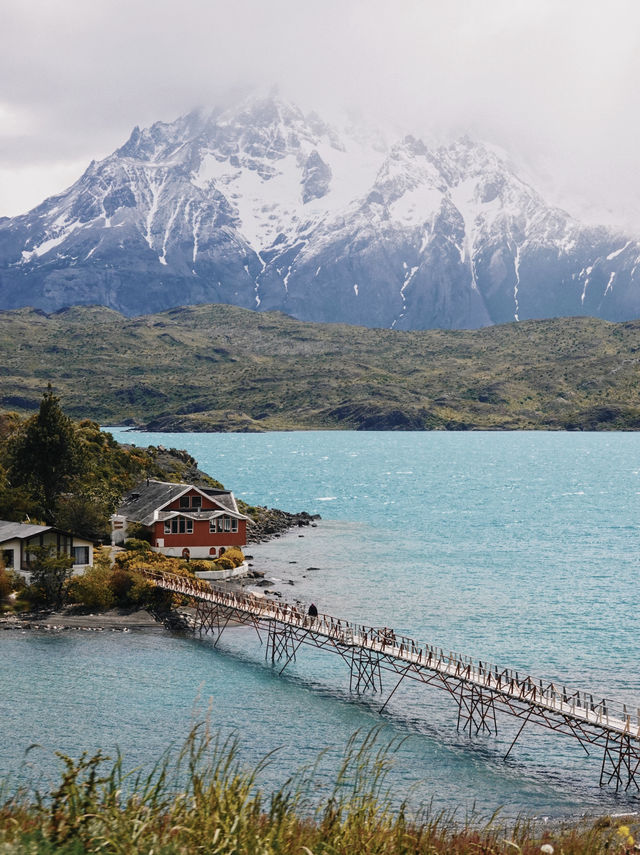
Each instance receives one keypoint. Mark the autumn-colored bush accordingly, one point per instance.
(5, 583)
(224, 563)
(137, 544)
(121, 583)
(201, 566)
(92, 588)
(138, 553)
(234, 554)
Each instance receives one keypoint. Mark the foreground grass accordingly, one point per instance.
(202, 800)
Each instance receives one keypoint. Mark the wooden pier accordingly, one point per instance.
(479, 689)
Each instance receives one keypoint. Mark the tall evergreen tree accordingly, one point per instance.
(45, 455)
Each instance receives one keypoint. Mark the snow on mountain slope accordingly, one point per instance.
(265, 207)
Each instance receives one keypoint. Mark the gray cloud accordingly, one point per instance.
(553, 83)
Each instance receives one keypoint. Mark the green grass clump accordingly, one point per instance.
(201, 799)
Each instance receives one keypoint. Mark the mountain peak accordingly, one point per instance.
(263, 109)
(266, 207)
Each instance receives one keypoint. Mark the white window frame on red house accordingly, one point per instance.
(178, 525)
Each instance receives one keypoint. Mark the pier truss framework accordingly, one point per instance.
(480, 690)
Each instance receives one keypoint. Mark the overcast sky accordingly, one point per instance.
(554, 82)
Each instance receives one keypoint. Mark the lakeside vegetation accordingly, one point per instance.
(201, 799)
(222, 368)
(72, 475)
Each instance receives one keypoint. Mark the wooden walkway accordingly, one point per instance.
(480, 689)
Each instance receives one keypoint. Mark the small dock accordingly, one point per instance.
(479, 689)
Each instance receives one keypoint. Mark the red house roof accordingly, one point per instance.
(148, 502)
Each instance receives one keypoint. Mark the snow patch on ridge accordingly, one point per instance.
(615, 254)
(463, 197)
(270, 205)
(516, 264)
(610, 284)
(586, 283)
(416, 206)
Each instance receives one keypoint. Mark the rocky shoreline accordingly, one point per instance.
(113, 620)
(270, 523)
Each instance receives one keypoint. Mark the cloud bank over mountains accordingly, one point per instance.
(553, 84)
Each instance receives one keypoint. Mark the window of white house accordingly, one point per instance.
(80, 554)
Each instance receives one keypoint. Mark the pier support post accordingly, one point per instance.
(620, 762)
(210, 617)
(281, 644)
(365, 671)
(214, 618)
(476, 709)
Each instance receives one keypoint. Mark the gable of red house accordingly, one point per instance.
(183, 520)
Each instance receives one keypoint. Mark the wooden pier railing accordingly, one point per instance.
(479, 688)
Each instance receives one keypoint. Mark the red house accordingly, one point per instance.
(184, 521)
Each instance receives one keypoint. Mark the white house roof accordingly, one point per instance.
(20, 531)
(24, 531)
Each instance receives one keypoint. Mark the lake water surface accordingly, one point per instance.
(517, 548)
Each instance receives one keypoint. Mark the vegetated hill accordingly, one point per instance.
(264, 207)
(222, 368)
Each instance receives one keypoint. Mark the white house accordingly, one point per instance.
(16, 539)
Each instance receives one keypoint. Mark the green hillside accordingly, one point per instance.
(228, 369)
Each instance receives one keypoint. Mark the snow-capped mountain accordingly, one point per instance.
(264, 207)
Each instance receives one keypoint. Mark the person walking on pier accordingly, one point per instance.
(313, 611)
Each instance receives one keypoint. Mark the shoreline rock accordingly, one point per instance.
(271, 523)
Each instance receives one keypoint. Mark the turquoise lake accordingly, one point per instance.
(518, 548)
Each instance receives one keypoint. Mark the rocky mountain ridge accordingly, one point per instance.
(266, 208)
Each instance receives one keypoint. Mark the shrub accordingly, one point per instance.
(201, 566)
(121, 583)
(136, 544)
(234, 554)
(49, 572)
(5, 583)
(93, 588)
(34, 597)
(143, 593)
(224, 563)
(17, 580)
